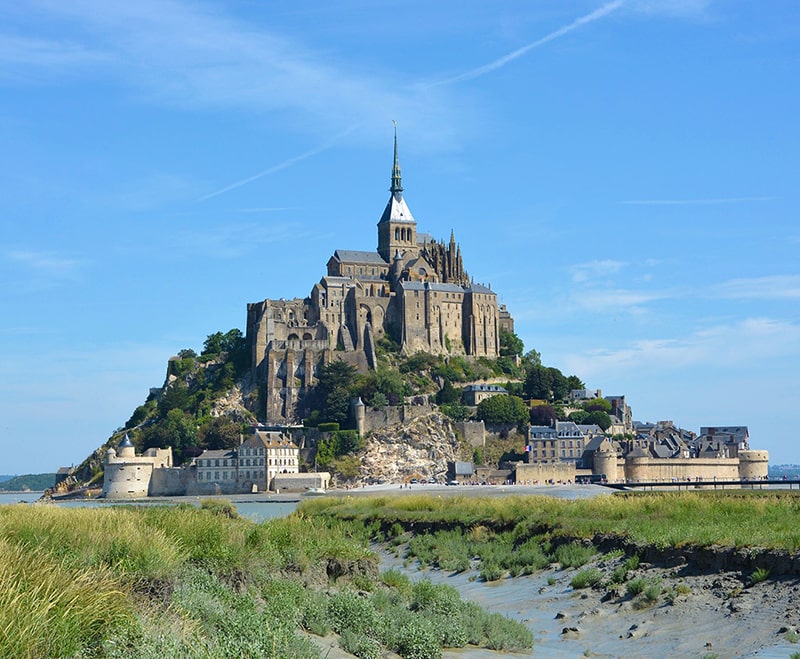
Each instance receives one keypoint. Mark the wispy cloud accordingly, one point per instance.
(193, 55)
(693, 202)
(728, 346)
(45, 265)
(595, 269)
(776, 287)
(18, 52)
(614, 300)
(500, 62)
(235, 240)
(281, 165)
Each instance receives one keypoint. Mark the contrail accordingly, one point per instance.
(282, 165)
(560, 32)
(688, 202)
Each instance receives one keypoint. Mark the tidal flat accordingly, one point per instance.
(649, 575)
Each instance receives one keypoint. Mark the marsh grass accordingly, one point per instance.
(731, 518)
(153, 582)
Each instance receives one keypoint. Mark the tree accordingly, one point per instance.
(579, 417)
(448, 394)
(574, 382)
(538, 383)
(456, 411)
(334, 387)
(177, 429)
(558, 386)
(542, 415)
(596, 404)
(510, 344)
(530, 359)
(503, 409)
(599, 418)
(221, 432)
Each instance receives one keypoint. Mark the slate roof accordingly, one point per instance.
(485, 387)
(396, 211)
(357, 256)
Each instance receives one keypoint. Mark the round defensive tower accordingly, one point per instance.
(605, 462)
(753, 465)
(125, 476)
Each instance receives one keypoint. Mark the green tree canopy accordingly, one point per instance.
(220, 432)
(539, 383)
(559, 386)
(596, 404)
(574, 382)
(334, 387)
(510, 344)
(599, 418)
(503, 409)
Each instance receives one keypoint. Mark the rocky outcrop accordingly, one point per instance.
(419, 449)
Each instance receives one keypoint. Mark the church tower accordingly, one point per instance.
(397, 229)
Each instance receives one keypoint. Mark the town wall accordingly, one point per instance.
(473, 432)
(169, 482)
(541, 472)
(681, 469)
(389, 415)
(301, 482)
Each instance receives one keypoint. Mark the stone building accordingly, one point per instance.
(130, 476)
(412, 288)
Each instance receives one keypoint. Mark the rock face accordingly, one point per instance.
(420, 449)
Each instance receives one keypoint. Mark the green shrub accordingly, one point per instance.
(761, 574)
(491, 572)
(330, 426)
(435, 598)
(416, 639)
(360, 645)
(586, 578)
(573, 554)
(347, 610)
(222, 507)
(636, 586)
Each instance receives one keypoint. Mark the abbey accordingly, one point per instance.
(413, 289)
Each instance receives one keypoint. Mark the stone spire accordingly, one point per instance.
(397, 182)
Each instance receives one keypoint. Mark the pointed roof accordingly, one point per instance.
(126, 442)
(396, 210)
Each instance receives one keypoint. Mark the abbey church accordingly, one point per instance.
(413, 289)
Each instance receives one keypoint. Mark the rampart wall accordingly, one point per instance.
(390, 415)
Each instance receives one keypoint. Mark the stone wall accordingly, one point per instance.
(680, 469)
(390, 415)
(301, 482)
(539, 472)
(170, 482)
(473, 432)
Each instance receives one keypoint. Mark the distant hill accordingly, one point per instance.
(36, 482)
(5, 478)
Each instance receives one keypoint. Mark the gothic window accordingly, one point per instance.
(397, 234)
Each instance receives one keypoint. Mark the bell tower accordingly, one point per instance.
(397, 229)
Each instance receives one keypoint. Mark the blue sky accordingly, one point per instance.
(624, 175)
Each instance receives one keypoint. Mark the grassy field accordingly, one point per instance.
(184, 581)
(737, 519)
